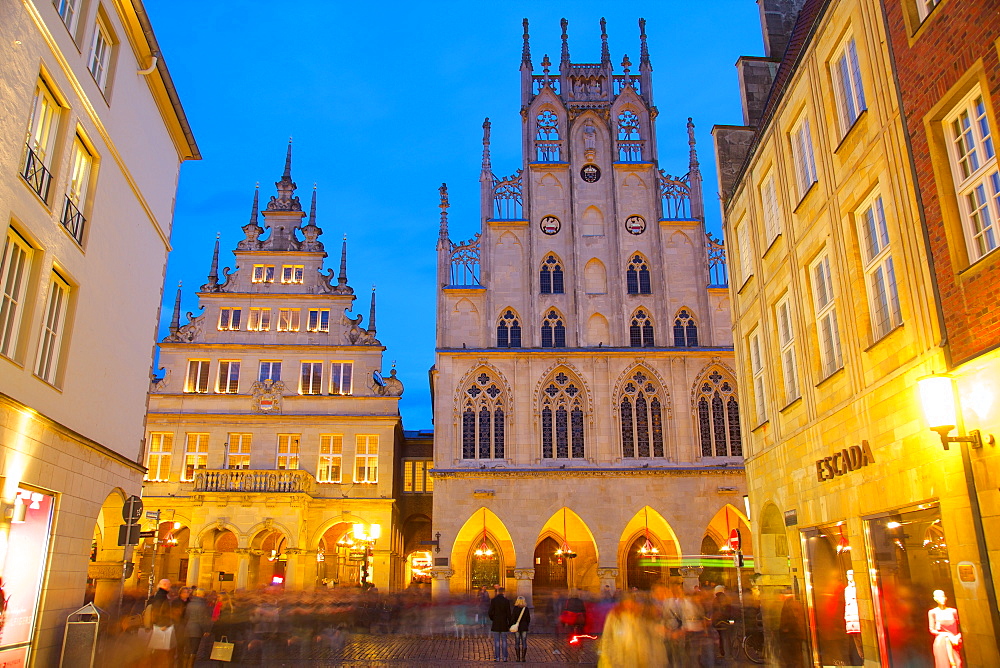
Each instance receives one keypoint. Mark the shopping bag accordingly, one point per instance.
(222, 650)
(161, 637)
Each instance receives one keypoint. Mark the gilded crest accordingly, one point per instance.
(266, 396)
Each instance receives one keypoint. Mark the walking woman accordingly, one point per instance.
(522, 618)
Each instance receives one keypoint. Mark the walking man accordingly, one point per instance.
(500, 614)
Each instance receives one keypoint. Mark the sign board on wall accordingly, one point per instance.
(29, 546)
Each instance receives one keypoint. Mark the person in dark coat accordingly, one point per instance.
(521, 616)
(500, 615)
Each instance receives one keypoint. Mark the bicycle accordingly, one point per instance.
(755, 647)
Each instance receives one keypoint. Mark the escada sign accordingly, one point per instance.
(845, 461)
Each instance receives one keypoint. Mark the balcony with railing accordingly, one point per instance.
(36, 173)
(249, 481)
(73, 220)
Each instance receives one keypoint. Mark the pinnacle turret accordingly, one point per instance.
(564, 57)
(526, 49)
(175, 321)
(371, 314)
(605, 52)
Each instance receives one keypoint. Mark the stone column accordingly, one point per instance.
(107, 576)
(208, 578)
(608, 575)
(243, 571)
(293, 579)
(441, 584)
(525, 583)
(194, 566)
(690, 575)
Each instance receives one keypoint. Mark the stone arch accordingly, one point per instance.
(592, 221)
(270, 524)
(647, 522)
(717, 531)
(550, 181)
(349, 519)
(678, 238)
(104, 569)
(568, 529)
(483, 523)
(595, 277)
(598, 330)
(333, 545)
(210, 530)
(639, 365)
(268, 545)
(633, 180)
(563, 363)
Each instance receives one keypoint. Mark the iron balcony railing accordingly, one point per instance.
(248, 480)
(73, 220)
(36, 173)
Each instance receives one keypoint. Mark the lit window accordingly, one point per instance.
(757, 370)
(288, 320)
(826, 317)
(288, 451)
(509, 330)
(366, 458)
(195, 455)
(161, 446)
(311, 378)
(100, 53)
(319, 320)
(41, 140)
(746, 251)
(925, 7)
(292, 273)
(239, 451)
(52, 329)
(341, 375)
(772, 213)
(263, 273)
(880, 273)
(67, 10)
(641, 416)
(551, 276)
(81, 162)
(229, 377)
(229, 318)
(331, 455)
(553, 331)
(14, 269)
(260, 319)
(849, 91)
(640, 331)
(786, 340)
(197, 376)
(637, 276)
(802, 156)
(974, 171)
(685, 330)
(416, 479)
(269, 371)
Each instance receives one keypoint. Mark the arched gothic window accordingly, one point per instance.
(551, 276)
(562, 417)
(685, 330)
(640, 332)
(628, 126)
(719, 417)
(547, 136)
(641, 418)
(509, 330)
(483, 418)
(637, 276)
(553, 331)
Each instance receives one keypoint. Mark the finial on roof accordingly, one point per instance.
(487, 165)
(312, 209)
(526, 50)
(256, 199)
(371, 314)
(605, 53)
(643, 48)
(285, 201)
(564, 59)
(213, 274)
(693, 153)
(443, 229)
(342, 277)
(288, 162)
(175, 321)
(545, 68)
(626, 64)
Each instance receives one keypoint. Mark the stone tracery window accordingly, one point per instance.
(719, 417)
(547, 136)
(641, 417)
(509, 330)
(562, 405)
(640, 331)
(637, 276)
(483, 418)
(550, 276)
(553, 330)
(685, 330)
(629, 139)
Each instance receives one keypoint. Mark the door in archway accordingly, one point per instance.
(484, 569)
(550, 569)
(643, 571)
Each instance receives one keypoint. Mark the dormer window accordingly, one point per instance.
(292, 273)
(263, 273)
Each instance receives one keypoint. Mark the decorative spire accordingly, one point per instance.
(256, 200)
(564, 60)
(693, 166)
(487, 166)
(546, 63)
(287, 174)
(605, 53)
(526, 50)
(175, 322)
(694, 177)
(626, 64)
(371, 314)
(213, 274)
(443, 229)
(342, 277)
(643, 48)
(312, 209)
(285, 201)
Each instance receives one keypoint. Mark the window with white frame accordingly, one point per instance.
(803, 157)
(311, 378)
(288, 319)
(292, 273)
(827, 330)
(229, 318)
(260, 319)
(238, 451)
(746, 251)
(366, 458)
(318, 320)
(14, 269)
(925, 7)
(52, 329)
(197, 376)
(229, 377)
(41, 140)
(269, 370)
(331, 457)
(974, 170)
(769, 203)
(195, 455)
(81, 162)
(100, 53)
(848, 89)
(880, 273)
(288, 451)
(786, 341)
(161, 447)
(67, 10)
(262, 273)
(757, 370)
(341, 377)
(416, 479)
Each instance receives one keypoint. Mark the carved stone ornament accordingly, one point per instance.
(266, 396)
(268, 523)
(104, 570)
(161, 384)
(607, 573)
(393, 386)
(524, 573)
(252, 240)
(357, 335)
(189, 332)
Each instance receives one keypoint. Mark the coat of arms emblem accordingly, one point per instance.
(267, 396)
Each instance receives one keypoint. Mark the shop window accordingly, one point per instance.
(832, 582)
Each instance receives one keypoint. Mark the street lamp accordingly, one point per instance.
(367, 539)
(937, 394)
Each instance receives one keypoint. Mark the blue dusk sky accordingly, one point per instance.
(384, 104)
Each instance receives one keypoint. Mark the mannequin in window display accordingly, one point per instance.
(943, 623)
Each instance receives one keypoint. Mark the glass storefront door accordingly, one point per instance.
(835, 617)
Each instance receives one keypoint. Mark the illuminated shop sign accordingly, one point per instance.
(845, 461)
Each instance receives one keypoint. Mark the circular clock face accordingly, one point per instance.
(635, 225)
(590, 173)
(550, 224)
